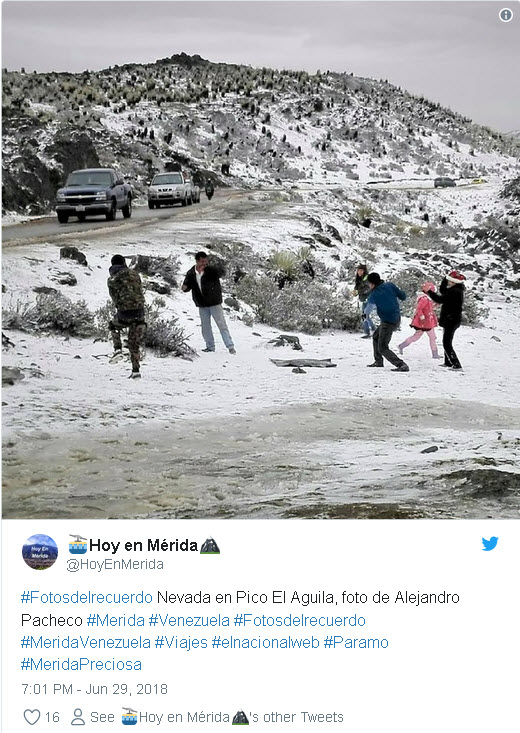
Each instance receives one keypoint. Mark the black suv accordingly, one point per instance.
(93, 191)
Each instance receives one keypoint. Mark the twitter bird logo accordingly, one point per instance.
(489, 544)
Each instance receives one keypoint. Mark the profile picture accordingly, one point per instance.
(40, 552)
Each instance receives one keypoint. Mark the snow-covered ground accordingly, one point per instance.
(235, 436)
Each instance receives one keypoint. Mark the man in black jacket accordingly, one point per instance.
(451, 295)
(204, 282)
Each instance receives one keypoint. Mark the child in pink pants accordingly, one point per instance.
(424, 321)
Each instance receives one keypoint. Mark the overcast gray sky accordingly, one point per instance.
(456, 53)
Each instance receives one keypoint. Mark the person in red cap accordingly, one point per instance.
(424, 320)
(451, 297)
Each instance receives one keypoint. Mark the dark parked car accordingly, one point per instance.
(92, 191)
(444, 183)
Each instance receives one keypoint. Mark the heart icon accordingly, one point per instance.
(31, 716)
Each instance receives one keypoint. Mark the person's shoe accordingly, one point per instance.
(456, 368)
(402, 368)
(436, 356)
(232, 350)
(366, 336)
(136, 374)
(375, 364)
(116, 356)
(447, 366)
(400, 349)
(208, 351)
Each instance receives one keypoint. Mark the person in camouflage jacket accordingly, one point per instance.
(126, 292)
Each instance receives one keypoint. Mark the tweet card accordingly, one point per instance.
(260, 378)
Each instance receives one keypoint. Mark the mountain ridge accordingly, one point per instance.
(272, 126)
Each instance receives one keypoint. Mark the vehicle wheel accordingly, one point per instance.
(127, 209)
(63, 218)
(81, 217)
(151, 205)
(184, 201)
(111, 215)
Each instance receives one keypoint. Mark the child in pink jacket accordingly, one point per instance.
(424, 321)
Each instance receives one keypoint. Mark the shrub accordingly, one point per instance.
(473, 312)
(283, 267)
(17, 316)
(165, 267)
(163, 334)
(511, 189)
(52, 312)
(306, 305)
(364, 212)
(238, 259)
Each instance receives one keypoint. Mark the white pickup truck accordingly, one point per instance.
(169, 189)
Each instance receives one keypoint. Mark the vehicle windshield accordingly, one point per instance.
(92, 178)
(163, 178)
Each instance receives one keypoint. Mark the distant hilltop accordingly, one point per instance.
(240, 125)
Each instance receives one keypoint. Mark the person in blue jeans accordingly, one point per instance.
(385, 296)
(369, 326)
(203, 280)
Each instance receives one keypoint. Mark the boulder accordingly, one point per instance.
(334, 232)
(286, 340)
(72, 150)
(45, 289)
(66, 278)
(322, 239)
(73, 253)
(158, 287)
(232, 303)
(11, 375)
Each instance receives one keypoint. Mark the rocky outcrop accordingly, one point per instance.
(73, 149)
(30, 181)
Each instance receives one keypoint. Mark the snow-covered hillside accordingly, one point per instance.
(272, 127)
(339, 442)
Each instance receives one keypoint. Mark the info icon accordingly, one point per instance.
(40, 552)
(506, 15)
(78, 546)
(130, 717)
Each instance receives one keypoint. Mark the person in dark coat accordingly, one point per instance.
(385, 296)
(209, 189)
(126, 291)
(362, 290)
(451, 297)
(203, 280)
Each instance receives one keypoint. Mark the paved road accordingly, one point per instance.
(43, 229)
(40, 230)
